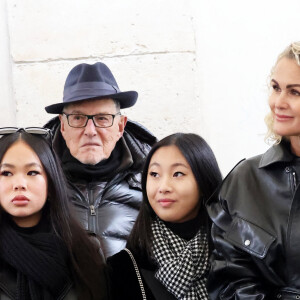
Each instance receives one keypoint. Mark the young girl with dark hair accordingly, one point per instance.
(44, 253)
(167, 254)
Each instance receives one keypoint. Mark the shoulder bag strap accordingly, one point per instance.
(137, 273)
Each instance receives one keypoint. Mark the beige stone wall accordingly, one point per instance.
(149, 46)
(199, 66)
(7, 102)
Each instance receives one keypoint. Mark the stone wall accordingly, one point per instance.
(198, 66)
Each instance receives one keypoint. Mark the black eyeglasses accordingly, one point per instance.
(99, 120)
(45, 132)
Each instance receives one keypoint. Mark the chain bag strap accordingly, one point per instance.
(137, 273)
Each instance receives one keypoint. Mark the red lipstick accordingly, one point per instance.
(20, 200)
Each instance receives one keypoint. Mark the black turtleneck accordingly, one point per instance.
(186, 230)
(42, 226)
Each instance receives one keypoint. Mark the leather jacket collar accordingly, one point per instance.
(276, 154)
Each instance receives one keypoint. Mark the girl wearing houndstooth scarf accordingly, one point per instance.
(182, 265)
(167, 254)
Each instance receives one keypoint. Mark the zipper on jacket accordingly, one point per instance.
(294, 180)
(93, 212)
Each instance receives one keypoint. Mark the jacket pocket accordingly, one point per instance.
(249, 237)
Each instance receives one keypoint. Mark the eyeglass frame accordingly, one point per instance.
(42, 131)
(91, 117)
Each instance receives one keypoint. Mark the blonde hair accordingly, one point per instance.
(291, 52)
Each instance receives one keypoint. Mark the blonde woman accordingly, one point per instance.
(256, 218)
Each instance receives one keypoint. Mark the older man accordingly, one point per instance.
(101, 152)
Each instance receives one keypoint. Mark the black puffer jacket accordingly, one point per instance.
(256, 229)
(109, 209)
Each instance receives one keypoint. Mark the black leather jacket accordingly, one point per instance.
(256, 230)
(109, 209)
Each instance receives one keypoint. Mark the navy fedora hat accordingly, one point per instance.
(96, 81)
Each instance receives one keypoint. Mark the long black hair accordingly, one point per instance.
(87, 263)
(205, 168)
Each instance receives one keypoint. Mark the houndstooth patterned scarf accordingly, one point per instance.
(182, 265)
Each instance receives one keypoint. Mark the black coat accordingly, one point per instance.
(8, 286)
(109, 209)
(124, 280)
(256, 230)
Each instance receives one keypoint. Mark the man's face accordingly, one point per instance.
(91, 144)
